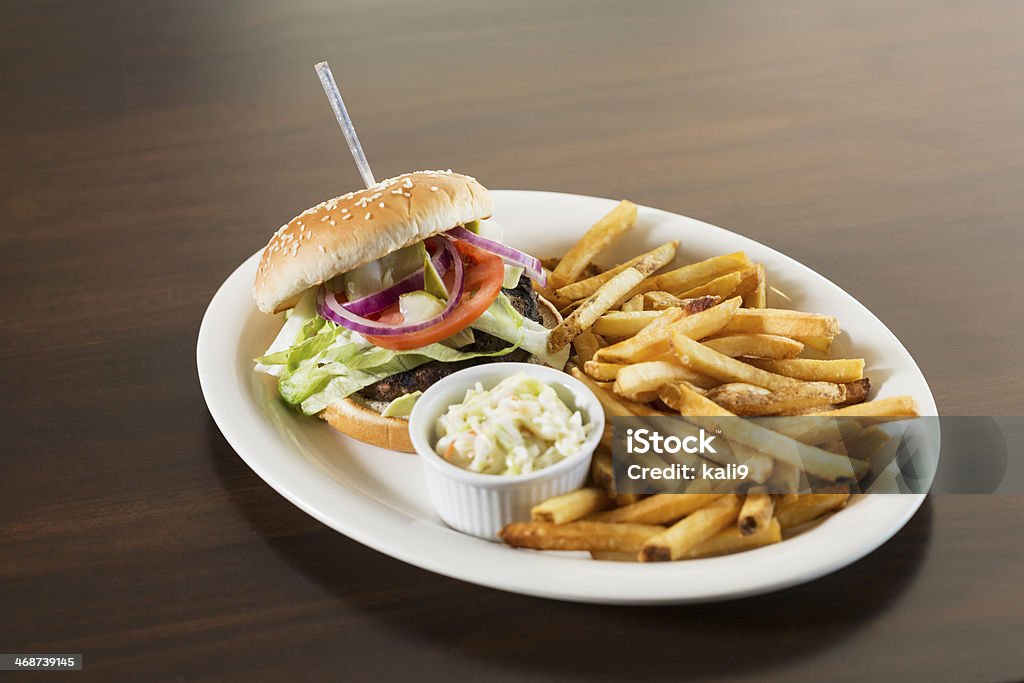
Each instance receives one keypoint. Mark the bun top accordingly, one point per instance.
(346, 232)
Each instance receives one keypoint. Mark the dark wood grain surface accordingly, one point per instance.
(148, 148)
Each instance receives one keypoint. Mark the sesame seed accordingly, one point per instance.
(406, 194)
(346, 217)
(321, 248)
(433, 188)
(344, 210)
(368, 216)
(333, 222)
(381, 205)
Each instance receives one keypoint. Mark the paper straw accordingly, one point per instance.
(341, 113)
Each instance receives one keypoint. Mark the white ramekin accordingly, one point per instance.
(481, 504)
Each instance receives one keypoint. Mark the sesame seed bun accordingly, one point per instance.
(346, 232)
(360, 418)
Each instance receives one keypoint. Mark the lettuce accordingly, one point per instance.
(316, 386)
(503, 321)
(318, 362)
(319, 370)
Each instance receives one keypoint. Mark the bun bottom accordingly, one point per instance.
(369, 426)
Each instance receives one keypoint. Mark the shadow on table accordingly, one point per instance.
(522, 635)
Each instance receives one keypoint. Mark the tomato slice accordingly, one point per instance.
(483, 276)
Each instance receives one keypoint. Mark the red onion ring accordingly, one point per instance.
(329, 308)
(529, 263)
(378, 301)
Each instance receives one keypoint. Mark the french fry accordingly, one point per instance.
(624, 499)
(782, 322)
(600, 301)
(624, 323)
(565, 309)
(612, 404)
(897, 406)
(838, 371)
(659, 301)
(722, 286)
(650, 341)
(813, 460)
(786, 479)
(856, 391)
(731, 540)
(798, 412)
(571, 506)
(759, 465)
(709, 321)
(661, 508)
(612, 556)
(702, 524)
(550, 263)
(688, 402)
(648, 376)
(756, 513)
(725, 542)
(694, 275)
(746, 400)
(655, 340)
(601, 470)
(603, 372)
(747, 284)
(811, 430)
(578, 536)
(584, 288)
(823, 344)
(707, 361)
(758, 346)
(808, 507)
(586, 345)
(634, 304)
(868, 443)
(758, 297)
(611, 226)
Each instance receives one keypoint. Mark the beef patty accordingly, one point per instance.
(523, 299)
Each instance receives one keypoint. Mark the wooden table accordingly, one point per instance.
(148, 148)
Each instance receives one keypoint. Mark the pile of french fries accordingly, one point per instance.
(699, 341)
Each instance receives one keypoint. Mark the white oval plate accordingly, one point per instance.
(379, 498)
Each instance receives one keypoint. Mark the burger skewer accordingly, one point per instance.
(323, 70)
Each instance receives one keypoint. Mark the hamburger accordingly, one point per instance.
(386, 290)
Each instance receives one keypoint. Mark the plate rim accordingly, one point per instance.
(592, 587)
